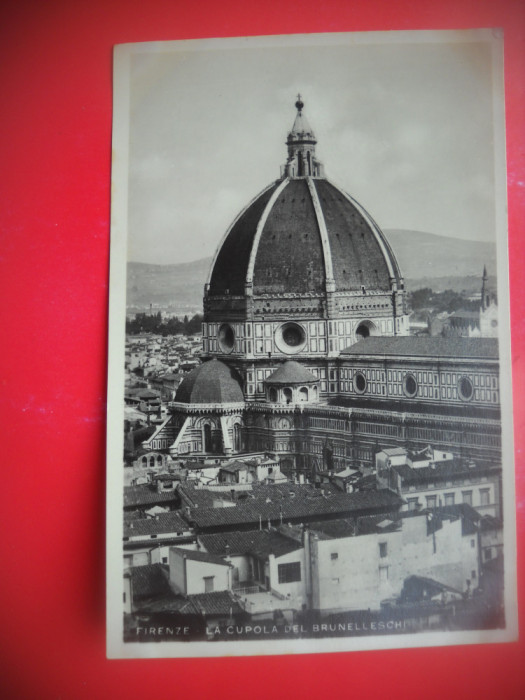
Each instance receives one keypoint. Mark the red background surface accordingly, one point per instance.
(55, 145)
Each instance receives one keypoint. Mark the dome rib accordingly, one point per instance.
(260, 229)
(289, 258)
(388, 253)
(325, 242)
(235, 247)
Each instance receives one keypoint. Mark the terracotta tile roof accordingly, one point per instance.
(144, 495)
(169, 602)
(258, 542)
(163, 523)
(199, 555)
(150, 580)
(420, 346)
(453, 468)
(304, 507)
(216, 603)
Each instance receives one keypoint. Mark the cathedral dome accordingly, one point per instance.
(211, 383)
(303, 234)
(303, 270)
(291, 372)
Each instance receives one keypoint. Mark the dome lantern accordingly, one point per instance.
(301, 144)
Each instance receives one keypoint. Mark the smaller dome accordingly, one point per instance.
(211, 382)
(291, 372)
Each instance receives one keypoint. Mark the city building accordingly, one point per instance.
(306, 352)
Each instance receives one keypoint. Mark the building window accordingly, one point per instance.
(465, 388)
(449, 499)
(359, 382)
(484, 496)
(226, 337)
(208, 584)
(473, 574)
(467, 497)
(431, 501)
(472, 544)
(383, 574)
(383, 549)
(413, 503)
(334, 556)
(290, 337)
(289, 573)
(410, 385)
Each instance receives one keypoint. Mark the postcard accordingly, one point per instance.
(310, 441)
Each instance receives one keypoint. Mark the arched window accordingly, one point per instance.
(207, 438)
(237, 442)
(152, 461)
(303, 394)
(144, 461)
(159, 459)
(287, 395)
(272, 394)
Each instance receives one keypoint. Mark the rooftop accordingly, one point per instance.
(291, 372)
(441, 470)
(199, 555)
(150, 580)
(212, 382)
(145, 495)
(164, 523)
(455, 347)
(306, 504)
(216, 603)
(258, 542)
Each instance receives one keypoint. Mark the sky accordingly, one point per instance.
(404, 126)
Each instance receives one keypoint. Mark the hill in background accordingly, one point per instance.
(441, 262)
(426, 260)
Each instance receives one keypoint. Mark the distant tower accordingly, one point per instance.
(488, 313)
(485, 300)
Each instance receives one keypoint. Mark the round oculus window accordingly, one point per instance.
(410, 385)
(226, 337)
(466, 390)
(360, 382)
(290, 338)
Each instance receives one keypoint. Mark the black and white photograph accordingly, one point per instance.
(309, 404)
